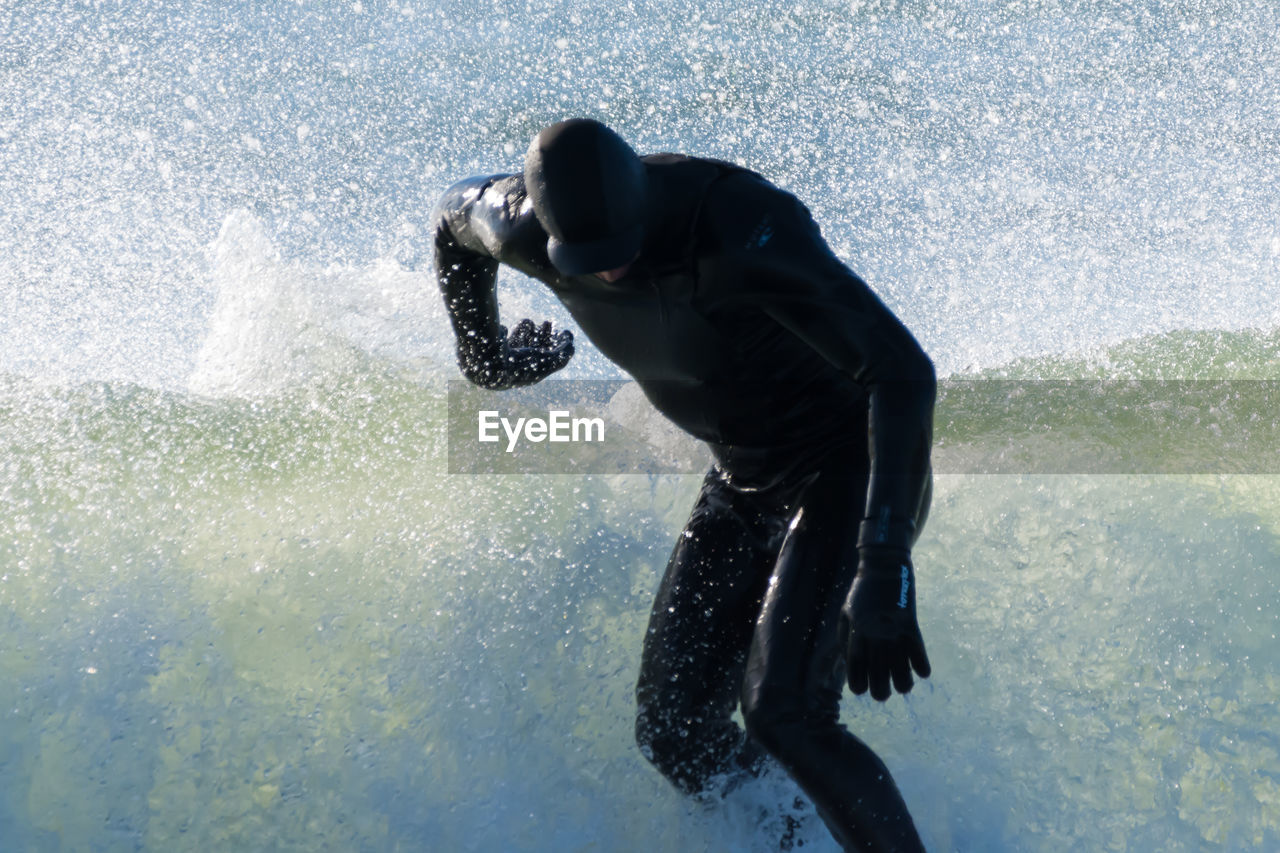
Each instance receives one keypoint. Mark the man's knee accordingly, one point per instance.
(669, 745)
(782, 723)
(770, 724)
(687, 750)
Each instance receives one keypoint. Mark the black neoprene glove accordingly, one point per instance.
(528, 355)
(885, 643)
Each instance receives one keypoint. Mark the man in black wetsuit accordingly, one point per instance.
(715, 290)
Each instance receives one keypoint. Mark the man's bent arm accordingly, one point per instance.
(473, 223)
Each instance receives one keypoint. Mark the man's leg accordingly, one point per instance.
(795, 672)
(699, 633)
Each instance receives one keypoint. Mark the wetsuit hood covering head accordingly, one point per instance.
(588, 191)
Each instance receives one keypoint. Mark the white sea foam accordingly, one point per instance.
(277, 324)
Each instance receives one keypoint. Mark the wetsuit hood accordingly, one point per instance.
(589, 192)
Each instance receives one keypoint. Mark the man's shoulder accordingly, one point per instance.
(501, 190)
(710, 169)
(494, 213)
(739, 211)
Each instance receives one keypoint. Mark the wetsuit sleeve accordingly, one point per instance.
(768, 252)
(478, 223)
(468, 274)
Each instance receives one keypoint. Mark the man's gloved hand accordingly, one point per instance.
(534, 352)
(529, 354)
(530, 336)
(884, 639)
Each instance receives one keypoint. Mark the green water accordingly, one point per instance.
(279, 625)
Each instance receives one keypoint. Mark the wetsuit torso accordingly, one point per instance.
(737, 320)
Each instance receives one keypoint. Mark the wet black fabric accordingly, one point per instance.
(748, 615)
(744, 329)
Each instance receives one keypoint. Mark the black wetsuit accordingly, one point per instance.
(744, 329)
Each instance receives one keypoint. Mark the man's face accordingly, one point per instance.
(610, 276)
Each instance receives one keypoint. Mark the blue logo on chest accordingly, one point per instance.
(762, 234)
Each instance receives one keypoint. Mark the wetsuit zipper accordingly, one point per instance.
(662, 303)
